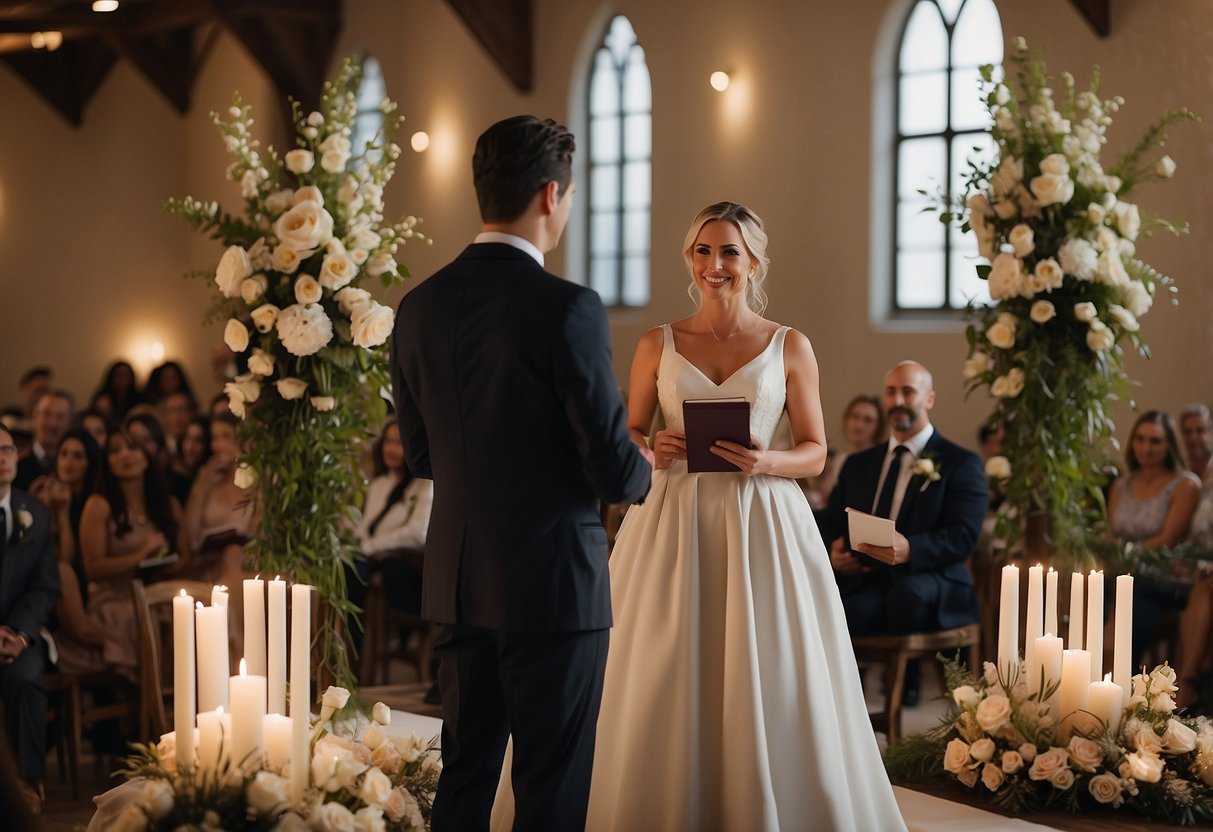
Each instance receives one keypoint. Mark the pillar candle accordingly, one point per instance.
(219, 596)
(213, 668)
(1074, 692)
(1051, 603)
(1076, 590)
(214, 734)
(301, 659)
(1122, 656)
(276, 733)
(276, 647)
(248, 711)
(254, 626)
(184, 682)
(1106, 701)
(1094, 644)
(1034, 627)
(1047, 667)
(1008, 622)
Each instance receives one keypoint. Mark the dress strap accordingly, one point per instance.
(667, 338)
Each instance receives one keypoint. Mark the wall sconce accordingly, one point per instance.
(50, 41)
(105, 5)
(156, 352)
(420, 141)
(719, 80)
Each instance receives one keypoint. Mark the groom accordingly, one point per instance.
(506, 398)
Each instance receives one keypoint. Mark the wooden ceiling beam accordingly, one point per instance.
(505, 28)
(166, 59)
(68, 77)
(1097, 13)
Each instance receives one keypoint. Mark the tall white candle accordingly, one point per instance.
(1076, 592)
(1074, 692)
(184, 682)
(248, 711)
(1034, 627)
(214, 742)
(301, 660)
(1008, 622)
(1122, 655)
(213, 667)
(1046, 671)
(276, 732)
(1094, 644)
(219, 597)
(1106, 701)
(1051, 603)
(276, 651)
(254, 626)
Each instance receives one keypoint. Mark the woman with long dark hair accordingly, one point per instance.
(117, 393)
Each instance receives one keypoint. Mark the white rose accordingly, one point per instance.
(1178, 738)
(956, 756)
(369, 819)
(324, 771)
(335, 697)
(1137, 298)
(1095, 213)
(982, 750)
(1022, 240)
(348, 190)
(349, 770)
(335, 152)
(332, 817)
(1006, 277)
(235, 403)
(337, 270)
(291, 388)
(261, 363)
(245, 476)
(1078, 258)
(381, 713)
(371, 325)
(299, 160)
(1107, 240)
(1084, 311)
(991, 776)
(1099, 337)
(998, 468)
(1000, 335)
(1055, 164)
(1145, 766)
(1128, 220)
(976, 364)
(1050, 189)
(287, 260)
(265, 793)
(993, 712)
(387, 759)
(307, 290)
(1012, 761)
(1042, 311)
(233, 268)
(291, 822)
(376, 788)
(966, 696)
(279, 201)
(1106, 788)
(1165, 167)
(246, 387)
(305, 227)
(1008, 175)
(365, 238)
(382, 263)
(157, 799)
(304, 330)
(1047, 275)
(989, 672)
(252, 288)
(308, 194)
(1085, 754)
(324, 403)
(235, 335)
(1048, 763)
(132, 819)
(374, 736)
(1162, 703)
(1124, 317)
(1111, 269)
(264, 317)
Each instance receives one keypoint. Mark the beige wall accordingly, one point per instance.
(90, 266)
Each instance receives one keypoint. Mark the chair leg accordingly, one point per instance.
(897, 670)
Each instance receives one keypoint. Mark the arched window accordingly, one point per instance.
(369, 118)
(619, 190)
(941, 123)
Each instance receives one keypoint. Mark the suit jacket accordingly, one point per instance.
(940, 519)
(29, 572)
(506, 398)
(29, 468)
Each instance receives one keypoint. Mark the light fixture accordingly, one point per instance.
(50, 41)
(420, 141)
(156, 352)
(719, 80)
(105, 5)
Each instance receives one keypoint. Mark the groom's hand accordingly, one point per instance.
(893, 555)
(645, 452)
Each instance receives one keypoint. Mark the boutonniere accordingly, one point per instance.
(925, 467)
(25, 521)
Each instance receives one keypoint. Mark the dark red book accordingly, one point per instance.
(708, 420)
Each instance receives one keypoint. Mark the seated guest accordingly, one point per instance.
(1196, 621)
(193, 451)
(1152, 506)
(862, 427)
(28, 587)
(33, 383)
(1196, 425)
(177, 410)
(165, 380)
(131, 518)
(145, 427)
(117, 393)
(93, 422)
(220, 516)
(921, 583)
(219, 406)
(52, 418)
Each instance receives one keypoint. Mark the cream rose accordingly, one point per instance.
(1008, 175)
(968, 776)
(335, 152)
(1165, 167)
(991, 776)
(395, 807)
(1028, 752)
(264, 317)
(376, 788)
(307, 290)
(1162, 702)
(1062, 779)
(1006, 276)
(1042, 311)
(1145, 766)
(265, 793)
(287, 260)
(305, 227)
(381, 714)
(1022, 240)
(245, 476)
(308, 194)
(1099, 337)
(1055, 164)
(332, 817)
(1000, 335)
(351, 299)
(1050, 189)
(1110, 269)
(253, 288)
(280, 201)
(380, 264)
(982, 750)
(324, 403)
(1127, 219)
(976, 364)
(369, 819)
(387, 759)
(299, 160)
(1048, 763)
(1012, 761)
(235, 404)
(1123, 317)
(1106, 788)
(374, 736)
(1008, 386)
(1048, 274)
(248, 387)
(291, 388)
(349, 770)
(1178, 738)
(337, 270)
(993, 712)
(1078, 258)
(291, 822)
(371, 325)
(1085, 754)
(1137, 298)
(335, 697)
(233, 268)
(998, 468)
(235, 335)
(966, 696)
(261, 363)
(132, 819)
(1096, 213)
(1084, 311)
(157, 799)
(304, 330)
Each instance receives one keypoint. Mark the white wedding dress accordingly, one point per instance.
(732, 699)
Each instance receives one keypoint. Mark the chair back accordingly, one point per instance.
(150, 601)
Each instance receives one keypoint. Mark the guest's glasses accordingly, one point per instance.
(8, 450)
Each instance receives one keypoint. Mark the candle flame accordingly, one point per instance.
(243, 669)
(219, 710)
(277, 577)
(257, 577)
(183, 595)
(221, 588)
(200, 605)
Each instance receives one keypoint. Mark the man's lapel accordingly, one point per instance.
(914, 487)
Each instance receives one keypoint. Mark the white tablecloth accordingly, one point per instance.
(926, 813)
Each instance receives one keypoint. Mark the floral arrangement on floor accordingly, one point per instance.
(1066, 288)
(361, 780)
(312, 230)
(1001, 739)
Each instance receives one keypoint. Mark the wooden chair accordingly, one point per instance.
(894, 651)
(380, 620)
(149, 601)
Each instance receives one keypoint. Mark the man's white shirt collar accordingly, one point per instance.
(916, 442)
(520, 243)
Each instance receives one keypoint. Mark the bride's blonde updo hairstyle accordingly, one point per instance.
(752, 234)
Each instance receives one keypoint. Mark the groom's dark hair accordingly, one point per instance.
(514, 159)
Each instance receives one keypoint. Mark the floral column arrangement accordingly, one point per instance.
(312, 230)
(1067, 290)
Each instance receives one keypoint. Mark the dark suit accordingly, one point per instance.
(29, 585)
(506, 398)
(29, 468)
(941, 521)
